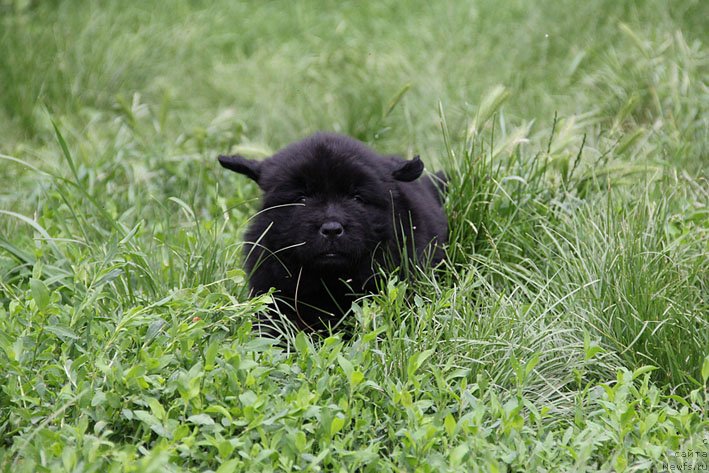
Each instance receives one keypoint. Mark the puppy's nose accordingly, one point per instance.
(332, 230)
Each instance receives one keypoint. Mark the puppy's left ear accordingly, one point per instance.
(248, 167)
(408, 170)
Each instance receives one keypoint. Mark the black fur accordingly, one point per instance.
(333, 212)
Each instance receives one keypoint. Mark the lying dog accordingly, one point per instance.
(333, 213)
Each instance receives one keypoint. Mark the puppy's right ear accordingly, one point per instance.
(248, 167)
(408, 171)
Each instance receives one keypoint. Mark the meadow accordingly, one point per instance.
(568, 329)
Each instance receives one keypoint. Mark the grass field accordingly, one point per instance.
(568, 331)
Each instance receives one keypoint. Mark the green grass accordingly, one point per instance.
(567, 331)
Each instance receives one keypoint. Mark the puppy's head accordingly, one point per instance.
(327, 200)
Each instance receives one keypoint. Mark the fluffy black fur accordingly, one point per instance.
(333, 212)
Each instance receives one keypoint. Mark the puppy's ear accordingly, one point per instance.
(248, 167)
(408, 170)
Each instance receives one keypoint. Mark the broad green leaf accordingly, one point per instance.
(210, 354)
(458, 454)
(301, 440)
(157, 409)
(40, 293)
(416, 360)
(356, 378)
(229, 466)
(61, 331)
(346, 366)
(449, 424)
(642, 370)
(337, 423)
(201, 419)
(531, 364)
(301, 343)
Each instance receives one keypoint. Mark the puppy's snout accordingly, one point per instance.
(332, 230)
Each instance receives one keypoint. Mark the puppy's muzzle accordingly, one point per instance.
(332, 230)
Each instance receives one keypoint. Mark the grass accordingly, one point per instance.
(568, 330)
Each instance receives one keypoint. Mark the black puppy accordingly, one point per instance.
(333, 212)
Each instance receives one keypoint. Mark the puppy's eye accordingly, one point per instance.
(301, 199)
(357, 198)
